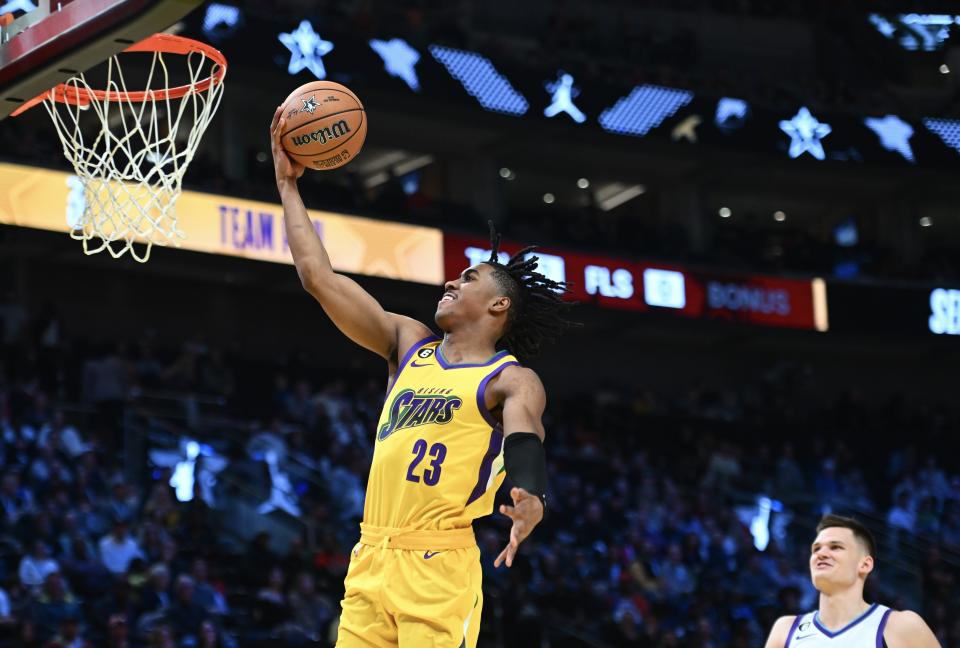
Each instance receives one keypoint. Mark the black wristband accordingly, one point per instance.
(526, 463)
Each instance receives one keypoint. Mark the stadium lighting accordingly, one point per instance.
(731, 113)
(945, 311)
(615, 194)
(944, 68)
(845, 234)
(779, 216)
(926, 221)
(894, 134)
(221, 20)
(399, 60)
(505, 172)
(946, 129)
(643, 109)
(725, 212)
(562, 93)
(583, 183)
(400, 164)
(914, 31)
(481, 80)
(664, 288)
(549, 198)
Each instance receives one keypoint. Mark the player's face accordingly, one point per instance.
(838, 560)
(468, 296)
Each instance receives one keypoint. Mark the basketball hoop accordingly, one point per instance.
(130, 149)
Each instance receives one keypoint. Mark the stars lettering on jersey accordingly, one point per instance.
(307, 49)
(412, 408)
(805, 134)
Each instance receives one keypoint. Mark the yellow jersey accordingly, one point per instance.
(438, 457)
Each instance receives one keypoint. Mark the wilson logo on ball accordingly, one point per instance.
(322, 135)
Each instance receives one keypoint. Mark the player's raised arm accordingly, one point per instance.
(524, 400)
(907, 629)
(352, 309)
(778, 635)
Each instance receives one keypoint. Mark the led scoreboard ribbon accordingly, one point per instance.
(670, 289)
(569, 98)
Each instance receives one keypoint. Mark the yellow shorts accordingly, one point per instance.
(412, 589)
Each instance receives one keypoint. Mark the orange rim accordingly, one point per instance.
(164, 43)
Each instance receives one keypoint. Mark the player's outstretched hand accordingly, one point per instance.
(526, 513)
(285, 168)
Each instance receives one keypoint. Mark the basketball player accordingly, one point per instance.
(841, 558)
(458, 414)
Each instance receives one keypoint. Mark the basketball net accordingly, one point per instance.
(130, 149)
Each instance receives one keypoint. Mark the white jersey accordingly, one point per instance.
(866, 631)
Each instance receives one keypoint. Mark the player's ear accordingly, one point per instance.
(500, 304)
(866, 565)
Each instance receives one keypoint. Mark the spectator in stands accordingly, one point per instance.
(62, 437)
(209, 636)
(70, 635)
(36, 566)
(310, 611)
(205, 594)
(299, 406)
(117, 631)
(117, 548)
(106, 382)
(54, 604)
(116, 606)
(271, 608)
(161, 636)
(675, 578)
(161, 508)
(901, 516)
(185, 616)
(723, 468)
(7, 621)
(155, 596)
(122, 503)
(83, 568)
(14, 499)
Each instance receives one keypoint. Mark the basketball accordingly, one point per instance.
(325, 125)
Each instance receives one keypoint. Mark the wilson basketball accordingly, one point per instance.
(325, 125)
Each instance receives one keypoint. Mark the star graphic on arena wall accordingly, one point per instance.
(399, 60)
(805, 134)
(307, 49)
(309, 105)
(894, 134)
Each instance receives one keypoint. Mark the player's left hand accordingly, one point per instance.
(526, 513)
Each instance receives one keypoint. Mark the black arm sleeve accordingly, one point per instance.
(526, 462)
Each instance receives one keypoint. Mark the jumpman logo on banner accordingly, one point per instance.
(563, 92)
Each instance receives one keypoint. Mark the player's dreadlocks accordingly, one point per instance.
(536, 301)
